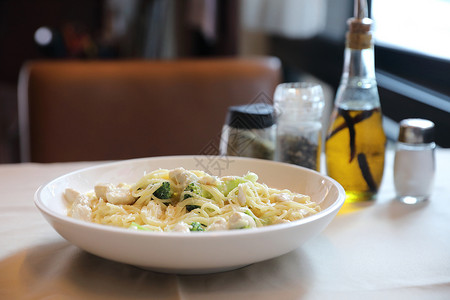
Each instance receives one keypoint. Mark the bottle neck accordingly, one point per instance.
(358, 88)
(359, 64)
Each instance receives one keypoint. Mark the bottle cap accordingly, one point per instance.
(416, 131)
(360, 25)
(251, 116)
(359, 35)
(299, 100)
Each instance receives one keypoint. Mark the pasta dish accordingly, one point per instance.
(189, 200)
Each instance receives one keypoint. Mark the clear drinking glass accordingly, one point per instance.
(299, 107)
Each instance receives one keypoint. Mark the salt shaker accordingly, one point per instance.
(414, 162)
(299, 107)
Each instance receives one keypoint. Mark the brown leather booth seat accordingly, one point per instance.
(108, 110)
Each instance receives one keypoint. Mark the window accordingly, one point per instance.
(412, 57)
(419, 26)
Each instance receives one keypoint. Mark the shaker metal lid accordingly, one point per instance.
(416, 131)
(251, 116)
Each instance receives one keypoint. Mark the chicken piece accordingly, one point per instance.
(181, 227)
(80, 205)
(301, 198)
(282, 197)
(241, 195)
(72, 195)
(81, 212)
(120, 196)
(182, 177)
(101, 189)
(114, 195)
(219, 224)
(240, 220)
(209, 180)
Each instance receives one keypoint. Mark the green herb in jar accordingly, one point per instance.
(298, 150)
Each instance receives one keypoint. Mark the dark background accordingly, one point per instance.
(410, 85)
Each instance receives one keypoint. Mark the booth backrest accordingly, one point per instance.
(109, 110)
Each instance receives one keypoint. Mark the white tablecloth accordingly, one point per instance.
(379, 250)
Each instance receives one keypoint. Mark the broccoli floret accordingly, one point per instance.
(136, 226)
(229, 185)
(193, 188)
(196, 226)
(251, 177)
(164, 191)
(251, 214)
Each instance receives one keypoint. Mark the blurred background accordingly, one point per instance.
(412, 45)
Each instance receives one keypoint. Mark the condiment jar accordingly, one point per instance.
(414, 162)
(299, 108)
(249, 131)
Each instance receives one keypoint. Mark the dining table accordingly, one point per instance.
(380, 249)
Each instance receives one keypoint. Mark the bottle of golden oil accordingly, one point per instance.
(355, 142)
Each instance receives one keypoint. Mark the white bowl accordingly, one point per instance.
(195, 252)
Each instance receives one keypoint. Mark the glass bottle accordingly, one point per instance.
(414, 162)
(299, 107)
(355, 142)
(249, 131)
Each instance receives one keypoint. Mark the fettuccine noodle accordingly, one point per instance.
(189, 200)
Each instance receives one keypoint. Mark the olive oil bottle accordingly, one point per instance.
(355, 142)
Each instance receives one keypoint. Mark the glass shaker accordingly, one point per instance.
(249, 131)
(414, 162)
(299, 107)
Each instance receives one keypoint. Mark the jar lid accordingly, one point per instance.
(251, 116)
(416, 131)
(299, 100)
